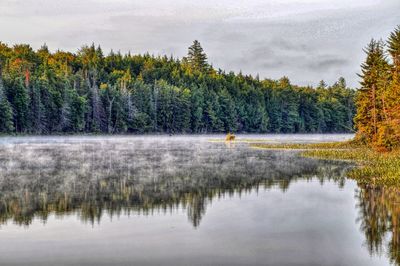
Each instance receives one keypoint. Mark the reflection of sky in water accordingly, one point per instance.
(123, 200)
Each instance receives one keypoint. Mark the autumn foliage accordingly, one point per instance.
(378, 101)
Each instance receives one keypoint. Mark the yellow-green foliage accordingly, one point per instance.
(308, 146)
(376, 167)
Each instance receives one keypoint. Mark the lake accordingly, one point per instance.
(187, 200)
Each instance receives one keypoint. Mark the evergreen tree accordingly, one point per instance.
(389, 131)
(369, 105)
(77, 112)
(39, 123)
(394, 48)
(19, 100)
(197, 103)
(6, 114)
(228, 112)
(212, 121)
(65, 115)
(308, 110)
(197, 58)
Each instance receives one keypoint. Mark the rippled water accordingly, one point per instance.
(187, 200)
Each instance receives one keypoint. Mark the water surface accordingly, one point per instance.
(185, 200)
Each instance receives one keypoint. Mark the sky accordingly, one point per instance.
(305, 40)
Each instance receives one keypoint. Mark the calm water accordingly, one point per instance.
(187, 201)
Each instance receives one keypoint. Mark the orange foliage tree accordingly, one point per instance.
(378, 102)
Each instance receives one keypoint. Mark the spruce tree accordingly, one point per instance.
(197, 104)
(65, 114)
(394, 47)
(228, 111)
(197, 58)
(19, 99)
(389, 132)
(6, 114)
(369, 105)
(38, 119)
(78, 110)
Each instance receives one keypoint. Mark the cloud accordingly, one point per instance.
(307, 40)
(327, 64)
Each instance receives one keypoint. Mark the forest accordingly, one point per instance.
(88, 92)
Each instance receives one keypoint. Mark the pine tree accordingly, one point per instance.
(6, 114)
(65, 115)
(97, 115)
(394, 47)
(197, 103)
(228, 111)
(78, 110)
(370, 109)
(212, 121)
(129, 110)
(19, 99)
(37, 111)
(197, 58)
(273, 110)
(389, 132)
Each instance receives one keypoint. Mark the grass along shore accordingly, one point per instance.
(374, 167)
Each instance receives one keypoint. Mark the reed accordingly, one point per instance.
(372, 166)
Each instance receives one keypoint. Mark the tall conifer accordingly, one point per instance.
(369, 104)
(197, 58)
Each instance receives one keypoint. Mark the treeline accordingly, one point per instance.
(378, 101)
(87, 92)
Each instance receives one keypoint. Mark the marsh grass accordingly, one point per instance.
(373, 166)
(239, 140)
(308, 146)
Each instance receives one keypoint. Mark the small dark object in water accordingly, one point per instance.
(230, 137)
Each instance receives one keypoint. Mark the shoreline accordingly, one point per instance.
(372, 166)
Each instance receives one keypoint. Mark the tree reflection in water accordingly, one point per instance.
(142, 176)
(120, 176)
(379, 217)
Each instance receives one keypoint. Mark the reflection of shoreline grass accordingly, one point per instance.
(374, 167)
(258, 141)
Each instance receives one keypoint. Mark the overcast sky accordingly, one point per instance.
(306, 40)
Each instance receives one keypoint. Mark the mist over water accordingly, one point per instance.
(185, 200)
